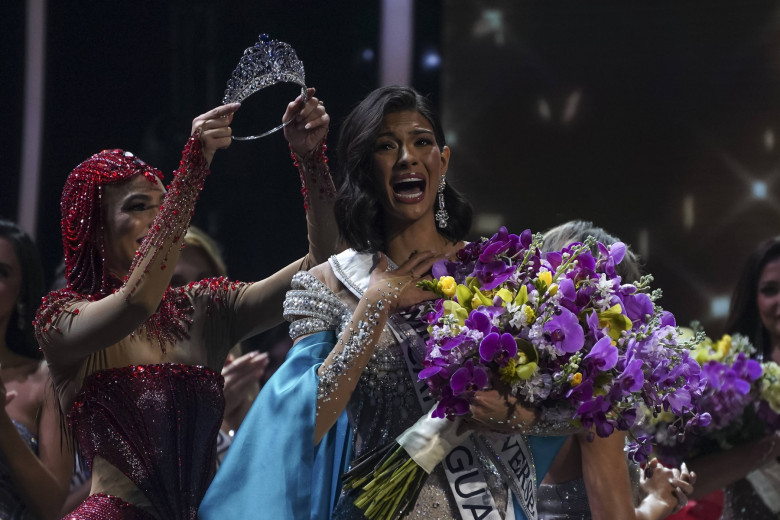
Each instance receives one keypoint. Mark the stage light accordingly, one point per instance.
(689, 213)
(431, 60)
(491, 23)
(759, 189)
(719, 306)
(451, 136)
(488, 223)
(543, 107)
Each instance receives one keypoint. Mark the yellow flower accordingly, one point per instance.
(514, 372)
(505, 295)
(480, 299)
(576, 379)
(723, 346)
(522, 366)
(770, 385)
(615, 320)
(464, 295)
(546, 277)
(530, 317)
(447, 286)
(708, 350)
(454, 309)
(553, 289)
(522, 296)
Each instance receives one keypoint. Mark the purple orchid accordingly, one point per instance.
(667, 319)
(603, 354)
(433, 317)
(469, 253)
(480, 321)
(450, 405)
(499, 349)
(594, 412)
(610, 257)
(564, 331)
(468, 379)
(633, 378)
(554, 259)
(458, 270)
(492, 274)
(638, 307)
(678, 400)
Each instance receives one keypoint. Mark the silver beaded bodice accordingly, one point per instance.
(384, 403)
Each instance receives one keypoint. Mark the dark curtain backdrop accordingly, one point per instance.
(656, 120)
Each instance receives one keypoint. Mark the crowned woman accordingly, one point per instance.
(349, 385)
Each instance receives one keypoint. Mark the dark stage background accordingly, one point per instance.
(656, 120)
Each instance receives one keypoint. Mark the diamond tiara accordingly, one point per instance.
(266, 63)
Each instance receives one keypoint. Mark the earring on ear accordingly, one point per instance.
(21, 323)
(441, 215)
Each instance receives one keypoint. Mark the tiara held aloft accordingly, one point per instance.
(266, 63)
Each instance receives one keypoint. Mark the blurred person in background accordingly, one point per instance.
(35, 461)
(749, 474)
(592, 478)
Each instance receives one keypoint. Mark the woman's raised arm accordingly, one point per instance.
(260, 307)
(71, 326)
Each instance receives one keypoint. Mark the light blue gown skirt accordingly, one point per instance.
(274, 470)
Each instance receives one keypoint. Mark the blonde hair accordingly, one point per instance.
(196, 237)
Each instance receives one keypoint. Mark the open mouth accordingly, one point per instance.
(409, 187)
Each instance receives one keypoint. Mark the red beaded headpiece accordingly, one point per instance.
(82, 219)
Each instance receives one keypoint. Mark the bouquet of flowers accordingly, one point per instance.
(560, 332)
(742, 396)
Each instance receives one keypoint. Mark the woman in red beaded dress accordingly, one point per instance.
(136, 364)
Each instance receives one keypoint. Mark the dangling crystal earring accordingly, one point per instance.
(20, 321)
(441, 215)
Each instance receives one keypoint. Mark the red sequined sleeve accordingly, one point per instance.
(318, 193)
(215, 302)
(86, 324)
(169, 227)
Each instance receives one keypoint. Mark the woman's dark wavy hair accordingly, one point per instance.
(21, 340)
(359, 215)
(744, 317)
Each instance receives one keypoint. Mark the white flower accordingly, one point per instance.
(475, 335)
(518, 320)
(604, 286)
(521, 317)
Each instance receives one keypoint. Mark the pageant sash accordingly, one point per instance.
(511, 455)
